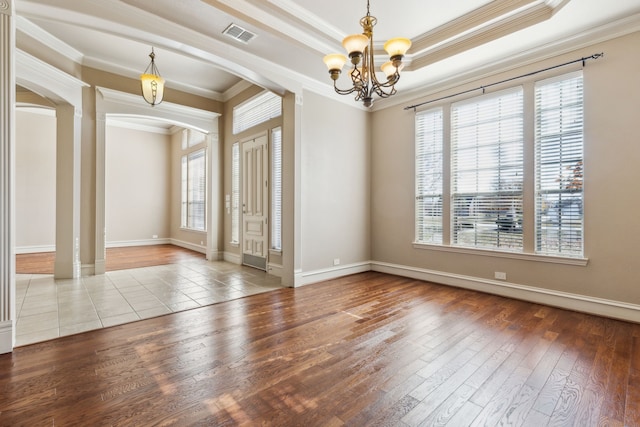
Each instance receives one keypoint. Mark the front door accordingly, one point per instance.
(255, 202)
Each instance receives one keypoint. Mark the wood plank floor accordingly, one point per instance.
(364, 350)
(116, 258)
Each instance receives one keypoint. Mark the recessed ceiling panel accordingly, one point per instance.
(407, 18)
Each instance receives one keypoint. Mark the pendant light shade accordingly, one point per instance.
(152, 83)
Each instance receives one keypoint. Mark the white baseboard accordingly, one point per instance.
(35, 249)
(275, 269)
(188, 245)
(231, 257)
(575, 302)
(143, 242)
(309, 277)
(87, 270)
(6, 336)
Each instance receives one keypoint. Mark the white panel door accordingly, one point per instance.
(255, 202)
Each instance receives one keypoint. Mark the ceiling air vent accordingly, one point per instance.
(238, 33)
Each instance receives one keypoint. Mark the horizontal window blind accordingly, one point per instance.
(257, 110)
(192, 137)
(235, 193)
(429, 163)
(559, 166)
(196, 209)
(276, 189)
(487, 171)
(184, 191)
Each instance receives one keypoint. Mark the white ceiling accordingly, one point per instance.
(450, 39)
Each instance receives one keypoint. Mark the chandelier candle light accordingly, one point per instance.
(152, 83)
(361, 53)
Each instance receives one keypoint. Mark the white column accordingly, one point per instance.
(7, 183)
(67, 265)
(100, 171)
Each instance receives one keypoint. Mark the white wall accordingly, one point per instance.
(612, 155)
(35, 180)
(138, 177)
(335, 191)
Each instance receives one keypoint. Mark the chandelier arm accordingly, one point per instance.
(343, 91)
(376, 85)
(364, 80)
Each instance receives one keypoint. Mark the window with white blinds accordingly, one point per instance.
(191, 138)
(429, 163)
(257, 110)
(559, 165)
(487, 171)
(276, 189)
(194, 173)
(235, 193)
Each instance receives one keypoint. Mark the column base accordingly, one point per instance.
(6, 336)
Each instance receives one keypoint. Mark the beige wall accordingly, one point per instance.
(138, 186)
(35, 180)
(335, 190)
(612, 153)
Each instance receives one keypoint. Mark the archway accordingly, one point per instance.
(115, 104)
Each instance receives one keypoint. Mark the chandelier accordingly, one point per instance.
(152, 83)
(364, 80)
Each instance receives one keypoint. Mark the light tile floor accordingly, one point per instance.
(49, 308)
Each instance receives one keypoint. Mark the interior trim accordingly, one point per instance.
(576, 302)
(6, 336)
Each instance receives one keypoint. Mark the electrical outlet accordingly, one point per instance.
(501, 275)
(155, 236)
(336, 261)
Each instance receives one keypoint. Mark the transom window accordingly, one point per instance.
(256, 110)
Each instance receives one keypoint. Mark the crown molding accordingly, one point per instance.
(236, 89)
(135, 74)
(120, 122)
(34, 31)
(472, 20)
(479, 27)
(281, 23)
(119, 104)
(48, 81)
(585, 39)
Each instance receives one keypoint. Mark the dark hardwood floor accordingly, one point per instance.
(364, 350)
(116, 258)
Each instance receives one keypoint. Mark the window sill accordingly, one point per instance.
(193, 230)
(276, 252)
(501, 254)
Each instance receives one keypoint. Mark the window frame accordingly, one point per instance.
(276, 190)
(559, 175)
(487, 166)
(188, 193)
(429, 185)
(528, 252)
